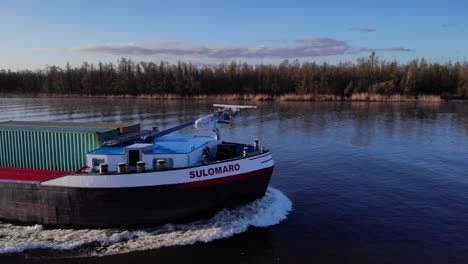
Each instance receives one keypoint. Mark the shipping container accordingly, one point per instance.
(53, 145)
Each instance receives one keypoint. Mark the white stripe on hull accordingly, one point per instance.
(175, 176)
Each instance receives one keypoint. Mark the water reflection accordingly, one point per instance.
(314, 117)
(359, 124)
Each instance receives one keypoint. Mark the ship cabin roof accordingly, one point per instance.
(168, 144)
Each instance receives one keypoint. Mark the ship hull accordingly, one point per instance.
(136, 206)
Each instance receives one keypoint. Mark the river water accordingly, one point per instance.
(354, 182)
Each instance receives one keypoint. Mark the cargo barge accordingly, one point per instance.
(100, 175)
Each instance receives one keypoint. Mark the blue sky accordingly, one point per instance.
(39, 33)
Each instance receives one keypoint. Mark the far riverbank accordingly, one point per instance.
(247, 97)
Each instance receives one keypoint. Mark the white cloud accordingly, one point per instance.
(386, 49)
(364, 29)
(179, 50)
(298, 49)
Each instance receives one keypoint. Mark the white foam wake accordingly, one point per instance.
(269, 210)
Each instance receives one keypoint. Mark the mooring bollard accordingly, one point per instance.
(245, 152)
(141, 166)
(103, 168)
(160, 164)
(121, 168)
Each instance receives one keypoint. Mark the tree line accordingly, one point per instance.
(366, 75)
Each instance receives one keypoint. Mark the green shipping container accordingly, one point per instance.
(51, 145)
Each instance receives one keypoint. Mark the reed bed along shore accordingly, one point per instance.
(394, 98)
(247, 97)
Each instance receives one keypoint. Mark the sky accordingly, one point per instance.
(34, 34)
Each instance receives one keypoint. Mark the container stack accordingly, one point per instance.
(59, 146)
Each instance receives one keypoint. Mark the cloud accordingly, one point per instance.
(455, 26)
(310, 47)
(275, 40)
(364, 30)
(301, 48)
(450, 25)
(386, 49)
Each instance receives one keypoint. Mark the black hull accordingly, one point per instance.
(124, 207)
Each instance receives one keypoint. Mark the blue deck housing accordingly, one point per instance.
(168, 144)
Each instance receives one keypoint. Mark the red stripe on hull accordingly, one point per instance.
(226, 179)
(30, 175)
